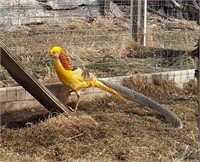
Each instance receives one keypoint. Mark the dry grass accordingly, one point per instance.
(89, 43)
(191, 87)
(110, 132)
(158, 87)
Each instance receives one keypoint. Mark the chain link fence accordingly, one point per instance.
(97, 34)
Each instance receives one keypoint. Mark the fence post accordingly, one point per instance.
(198, 87)
(145, 23)
(138, 20)
(133, 19)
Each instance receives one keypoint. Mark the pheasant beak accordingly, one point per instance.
(53, 54)
(50, 53)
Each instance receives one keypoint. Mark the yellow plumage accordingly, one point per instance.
(76, 79)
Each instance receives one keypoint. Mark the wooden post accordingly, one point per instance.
(198, 84)
(134, 19)
(198, 87)
(196, 53)
(138, 20)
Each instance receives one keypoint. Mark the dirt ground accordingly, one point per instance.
(107, 130)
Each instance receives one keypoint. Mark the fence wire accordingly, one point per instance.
(97, 34)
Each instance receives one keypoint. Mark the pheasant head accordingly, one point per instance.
(59, 53)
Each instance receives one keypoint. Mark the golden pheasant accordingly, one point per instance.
(75, 78)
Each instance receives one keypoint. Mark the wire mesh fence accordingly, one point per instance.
(97, 34)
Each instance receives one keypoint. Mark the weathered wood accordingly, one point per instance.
(134, 19)
(192, 8)
(176, 5)
(115, 10)
(198, 87)
(104, 6)
(156, 12)
(137, 20)
(22, 75)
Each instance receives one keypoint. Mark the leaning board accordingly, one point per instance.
(22, 75)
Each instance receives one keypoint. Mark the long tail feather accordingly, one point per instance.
(98, 84)
(143, 100)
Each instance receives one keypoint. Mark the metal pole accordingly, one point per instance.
(145, 23)
(139, 21)
(131, 18)
(139, 15)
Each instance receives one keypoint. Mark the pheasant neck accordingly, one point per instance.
(65, 61)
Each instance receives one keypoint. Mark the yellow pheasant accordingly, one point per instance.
(76, 78)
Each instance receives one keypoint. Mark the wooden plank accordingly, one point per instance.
(116, 10)
(22, 75)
